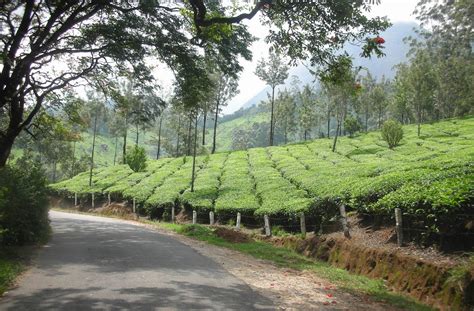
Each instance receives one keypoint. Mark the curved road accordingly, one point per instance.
(95, 263)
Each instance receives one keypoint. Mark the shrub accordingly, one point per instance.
(392, 133)
(351, 125)
(23, 204)
(136, 159)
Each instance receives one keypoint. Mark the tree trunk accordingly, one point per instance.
(305, 134)
(124, 147)
(329, 122)
(215, 129)
(93, 149)
(380, 119)
(138, 131)
(366, 118)
(418, 117)
(73, 166)
(194, 153)
(190, 126)
(204, 129)
(54, 171)
(6, 144)
(271, 116)
(159, 139)
(115, 150)
(177, 139)
(419, 125)
(338, 128)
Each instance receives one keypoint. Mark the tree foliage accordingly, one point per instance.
(392, 133)
(89, 38)
(352, 125)
(136, 159)
(23, 203)
(274, 72)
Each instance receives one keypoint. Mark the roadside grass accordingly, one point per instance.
(13, 262)
(284, 257)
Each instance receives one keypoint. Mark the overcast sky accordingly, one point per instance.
(250, 85)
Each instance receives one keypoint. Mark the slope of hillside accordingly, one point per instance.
(430, 177)
(105, 146)
(225, 130)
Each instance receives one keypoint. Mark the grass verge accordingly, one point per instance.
(13, 261)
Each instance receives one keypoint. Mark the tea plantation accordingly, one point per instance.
(431, 176)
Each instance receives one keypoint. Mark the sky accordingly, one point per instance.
(250, 84)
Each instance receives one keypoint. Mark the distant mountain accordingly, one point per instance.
(395, 50)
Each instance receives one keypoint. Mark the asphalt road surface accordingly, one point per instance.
(94, 263)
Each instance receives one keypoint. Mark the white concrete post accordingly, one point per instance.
(93, 200)
(399, 226)
(172, 214)
(75, 198)
(342, 210)
(133, 207)
(303, 224)
(268, 231)
(108, 198)
(194, 217)
(211, 218)
(237, 225)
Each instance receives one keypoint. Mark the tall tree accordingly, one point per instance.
(89, 37)
(365, 100)
(93, 110)
(379, 99)
(160, 125)
(340, 83)
(224, 89)
(446, 36)
(274, 72)
(307, 110)
(401, 98)
(417, 84)
(117, 128)
(285, 114)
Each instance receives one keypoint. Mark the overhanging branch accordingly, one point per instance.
(200, 12)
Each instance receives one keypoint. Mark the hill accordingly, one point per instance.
(430, 177)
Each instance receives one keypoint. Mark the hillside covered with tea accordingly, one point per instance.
(431, 176)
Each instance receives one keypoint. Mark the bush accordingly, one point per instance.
(351, 125)
(392, 133)
(136, 159)
(23, 204)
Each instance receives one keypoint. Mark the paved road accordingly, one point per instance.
(95, 263)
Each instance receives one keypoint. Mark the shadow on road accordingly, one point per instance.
(95, 264)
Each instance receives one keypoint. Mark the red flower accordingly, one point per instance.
(379, 40)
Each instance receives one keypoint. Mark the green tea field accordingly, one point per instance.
(431, 176)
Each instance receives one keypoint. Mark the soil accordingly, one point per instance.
(231, 235)
(385, 239)
(118, 209)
